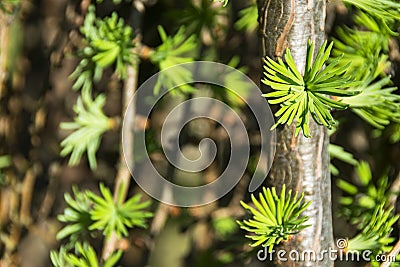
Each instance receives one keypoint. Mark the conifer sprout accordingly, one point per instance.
(275, 217)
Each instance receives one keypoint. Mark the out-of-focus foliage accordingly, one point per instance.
(225, 226)
(338, 152)
(9, 6)
(84, 256)
(248, 18)
(202, 19)
(375, 236)
(117, 2)
(5, 161)
(366, 51)
(235, 89)
(376, 104)
(88, 127)
(174, 50)
(358, 206)
(386, 11)
(362, 50)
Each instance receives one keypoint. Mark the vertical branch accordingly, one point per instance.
(123, 177)
(300, 163)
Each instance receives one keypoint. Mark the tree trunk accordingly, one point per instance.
(300, 163)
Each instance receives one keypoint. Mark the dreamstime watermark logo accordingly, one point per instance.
(340, 253)
(342, 243)
(233, 82)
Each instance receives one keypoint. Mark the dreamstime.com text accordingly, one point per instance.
(332, 254)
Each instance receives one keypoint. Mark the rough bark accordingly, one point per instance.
(300, 163)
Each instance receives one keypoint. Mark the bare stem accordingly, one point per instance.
(394, 191)
(123, 178)
(123, 174)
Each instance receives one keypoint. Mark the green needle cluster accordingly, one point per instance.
(275, 218)
(300, 96)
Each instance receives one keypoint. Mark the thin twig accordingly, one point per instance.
(394, 191)
(123, 174)
(49, 198)
(26, 195)
(392, 255)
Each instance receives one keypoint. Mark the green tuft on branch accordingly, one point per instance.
(375, 236)
(385, 10)
(88, 128)
(373, 24)
(376, 104)
(107, 41)
(275, 218)
(364, 51)
(83, 256)
(116, 217)
(174, 50)
(362, 198)
(248, 18)
(301, 95)
(87, 213)
(232, 80)
(76, 216)
(202, 19)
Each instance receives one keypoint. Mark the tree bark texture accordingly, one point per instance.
(301, 163)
